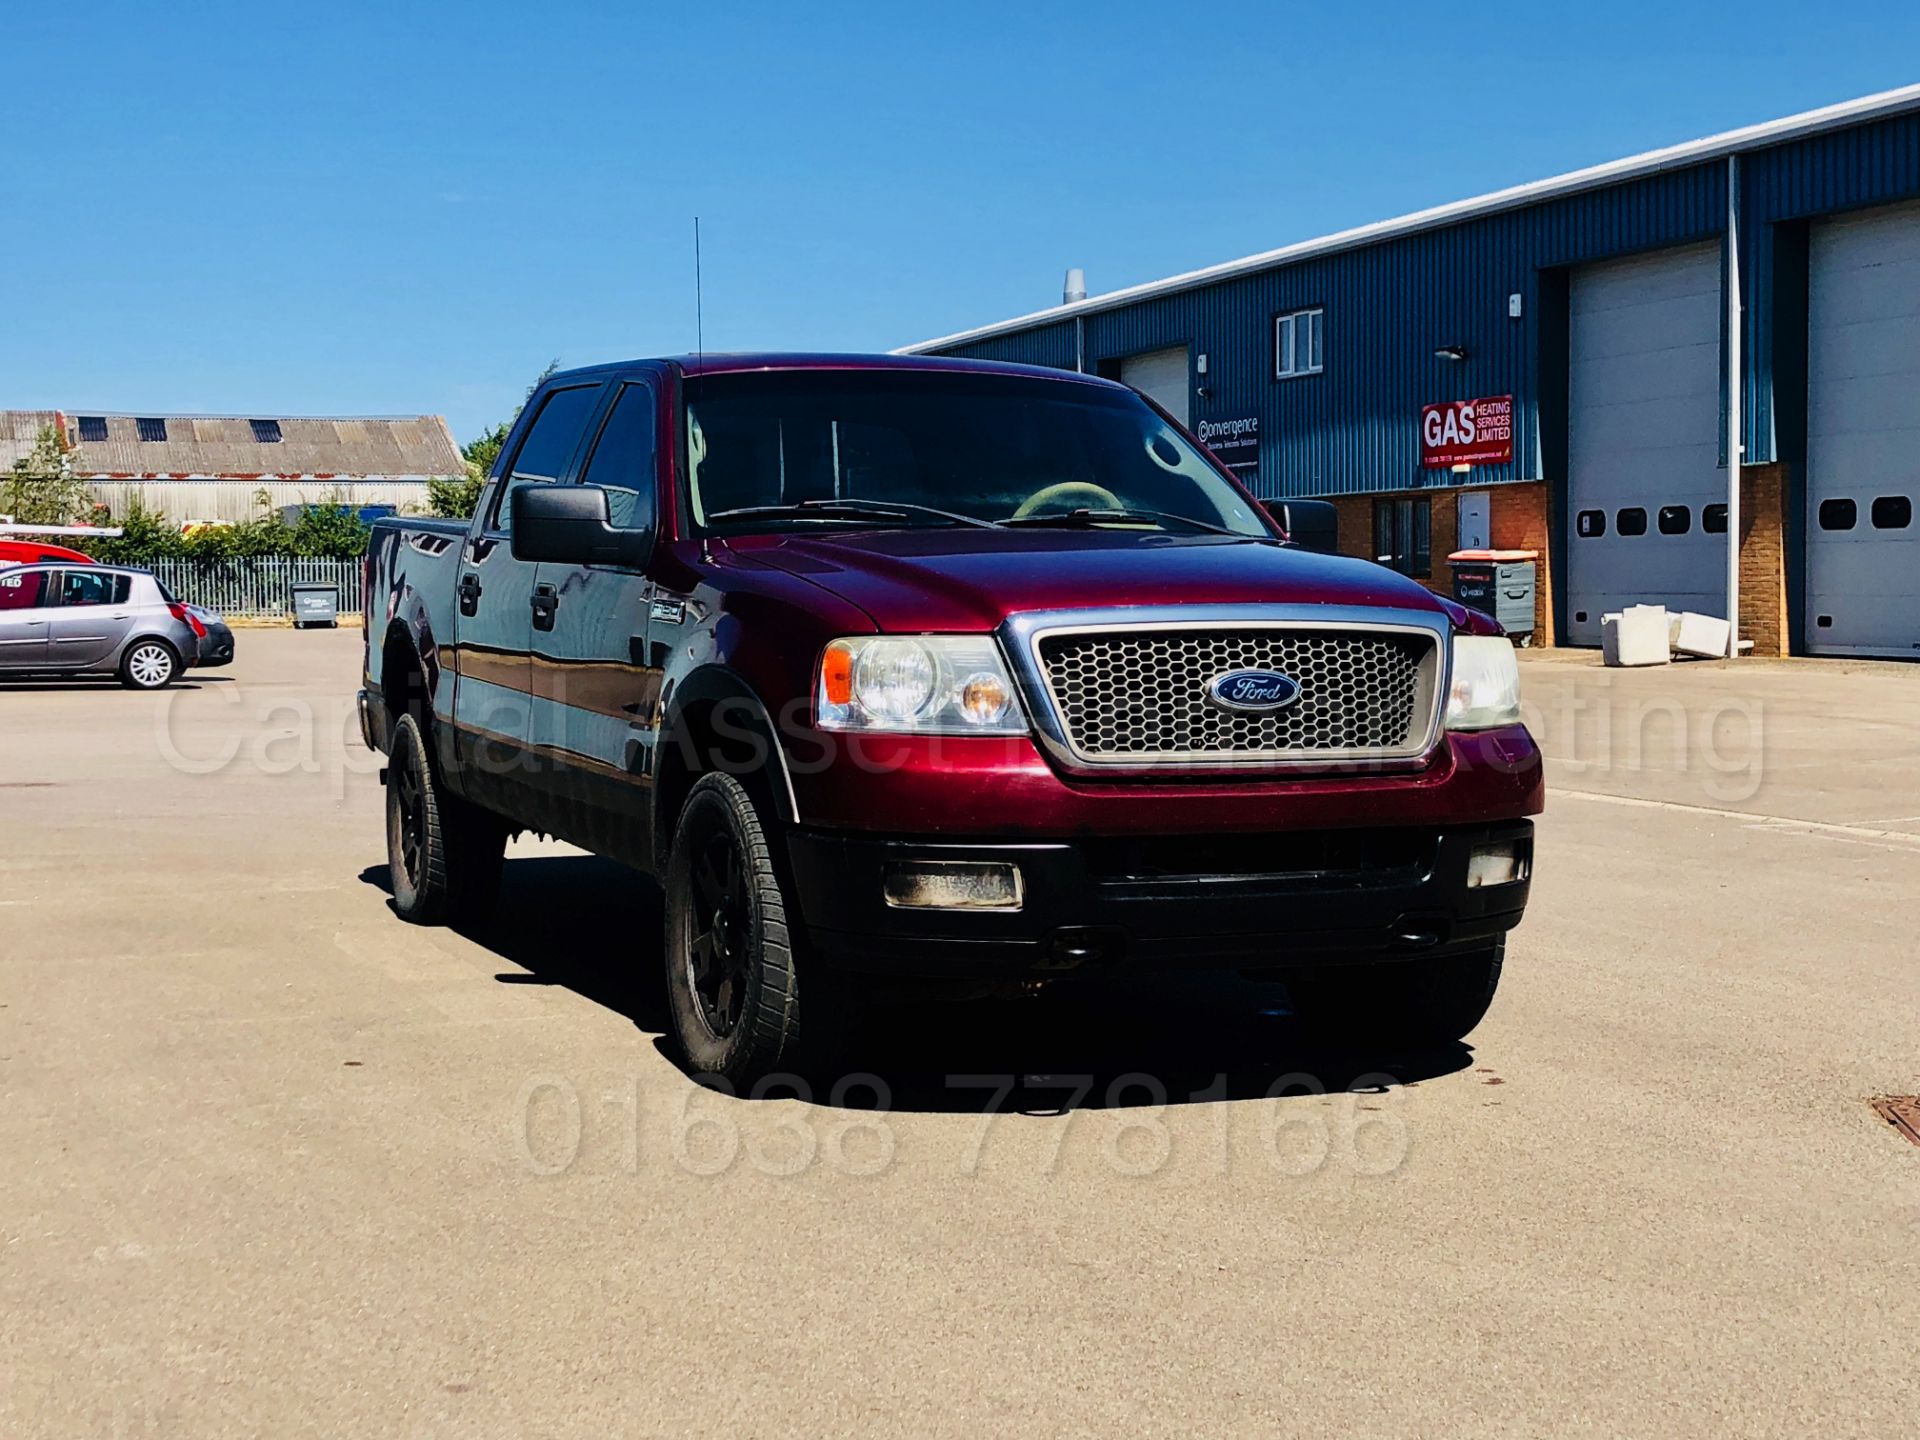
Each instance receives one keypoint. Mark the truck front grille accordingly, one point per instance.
(1139, 696)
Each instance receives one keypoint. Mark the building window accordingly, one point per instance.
(1631, 521)
(93, 428)
(1297, 343)
(266, 432)
(1892, 512)
(1838, 514)
(1675, 519)
(151, 429)
(1590, 524)
(1402, 531)
(1713, 519)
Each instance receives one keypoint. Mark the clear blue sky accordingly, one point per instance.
(387, 209)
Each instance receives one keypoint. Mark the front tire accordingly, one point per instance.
(1417, 1004)
(150, 665)
(731, 992)
(443, 855)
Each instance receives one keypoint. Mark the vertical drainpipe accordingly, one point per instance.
(1080, 344)
(1734, 426)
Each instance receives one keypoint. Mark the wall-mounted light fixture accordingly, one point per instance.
(1450, 352)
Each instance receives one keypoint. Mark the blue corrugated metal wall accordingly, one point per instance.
(1355, 427)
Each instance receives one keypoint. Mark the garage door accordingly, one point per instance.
(1645, 489)
(1863, 435)
(1161, 374)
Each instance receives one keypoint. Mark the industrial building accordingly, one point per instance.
(1547, 368)
(213, 467)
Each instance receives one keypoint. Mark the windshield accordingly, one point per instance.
(942, 448)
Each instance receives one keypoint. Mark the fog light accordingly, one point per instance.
(1499, 864)
(953, 885)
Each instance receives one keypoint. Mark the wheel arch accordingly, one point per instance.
(716, 720)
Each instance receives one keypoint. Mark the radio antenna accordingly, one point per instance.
(699, 304)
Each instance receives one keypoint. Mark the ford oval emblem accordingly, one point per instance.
(1253, 692)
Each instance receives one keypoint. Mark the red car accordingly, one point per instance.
(28, 551)
(928, 667)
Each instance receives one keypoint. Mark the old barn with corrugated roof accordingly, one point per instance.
(211, 467)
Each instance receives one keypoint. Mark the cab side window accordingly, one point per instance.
(22, 590)
(93, 587)
(623, 459)
(549, 446)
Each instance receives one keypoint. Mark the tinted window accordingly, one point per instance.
(93, 428)
(622, 459)
(21, 591)
(1713, 519)
(549, 445)
(1838, 514)
(1590, 524)
(1675, 519)
(1632, 521)
(94, 587)
(1892, 512)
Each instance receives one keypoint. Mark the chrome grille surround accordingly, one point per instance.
(1373, 685)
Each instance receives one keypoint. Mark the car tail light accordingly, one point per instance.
(187, 617)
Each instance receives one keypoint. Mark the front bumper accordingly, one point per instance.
(1259, 901)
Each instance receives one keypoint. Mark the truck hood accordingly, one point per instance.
(929, 580)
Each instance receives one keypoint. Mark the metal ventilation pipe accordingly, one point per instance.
(1076, 287)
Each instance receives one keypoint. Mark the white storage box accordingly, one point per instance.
(1701, 635)
(1635, 636)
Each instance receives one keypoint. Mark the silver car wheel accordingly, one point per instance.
(150, 665)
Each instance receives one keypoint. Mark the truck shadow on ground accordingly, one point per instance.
(1109, 1042)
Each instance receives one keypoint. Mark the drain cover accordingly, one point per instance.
(1902, 1112)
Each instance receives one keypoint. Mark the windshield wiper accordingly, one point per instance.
(847, 510)
(1083, 518)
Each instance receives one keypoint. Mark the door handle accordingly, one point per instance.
(469, 593)
(546, 600)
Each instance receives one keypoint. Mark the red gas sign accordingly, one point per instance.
(1467, 432)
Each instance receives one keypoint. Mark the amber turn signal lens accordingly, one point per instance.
(983, 698)
(836, 674)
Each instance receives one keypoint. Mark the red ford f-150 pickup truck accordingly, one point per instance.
(934, 668)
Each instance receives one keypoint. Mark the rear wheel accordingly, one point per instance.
(149, 665)
(731, 989)
(1405, 1002)
(443, 855)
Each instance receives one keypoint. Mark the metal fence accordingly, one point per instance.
(258, 588)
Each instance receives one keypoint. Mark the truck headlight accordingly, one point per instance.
(925, 684)
(1485, 692)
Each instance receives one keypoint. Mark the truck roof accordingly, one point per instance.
(718, 363)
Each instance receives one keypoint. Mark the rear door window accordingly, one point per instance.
(94, 587)
(548, 449)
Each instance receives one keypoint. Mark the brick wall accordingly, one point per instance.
(1518, 521)
(1521, 520)
(1763, 562)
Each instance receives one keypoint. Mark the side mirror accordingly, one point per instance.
(569, 525)
(1311, 524)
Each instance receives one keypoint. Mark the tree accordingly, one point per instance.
(41, 488)
(456, 496)
(331, 528)
(149, 536)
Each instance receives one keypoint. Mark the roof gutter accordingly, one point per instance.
(1673, 157)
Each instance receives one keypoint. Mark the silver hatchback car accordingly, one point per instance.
(97, 620)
